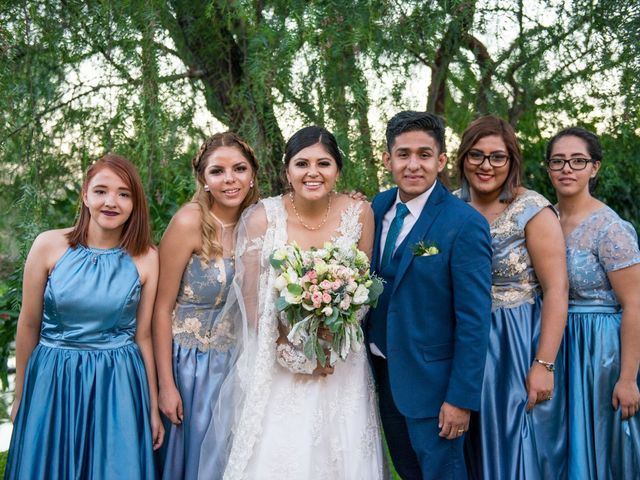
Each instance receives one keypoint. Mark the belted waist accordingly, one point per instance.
(594, 309)
(108, 344)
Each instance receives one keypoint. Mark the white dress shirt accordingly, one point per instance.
(415, 206)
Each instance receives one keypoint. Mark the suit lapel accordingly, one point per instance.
(428, 215)
(381, 208)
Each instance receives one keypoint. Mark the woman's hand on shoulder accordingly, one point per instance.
(356, 195)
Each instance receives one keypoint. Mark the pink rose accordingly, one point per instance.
(316, 298)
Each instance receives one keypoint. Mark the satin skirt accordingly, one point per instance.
(505, 441)
(198, 376)
(601, 445)
(84, 414)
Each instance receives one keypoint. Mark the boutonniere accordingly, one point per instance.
(422, 249)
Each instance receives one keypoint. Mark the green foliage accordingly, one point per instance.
(151, 79)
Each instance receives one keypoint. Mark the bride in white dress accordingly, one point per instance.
(292, 418)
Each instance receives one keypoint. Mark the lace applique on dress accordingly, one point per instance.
(601, 243)
(350, 228)
(514, 280)
(196, 322)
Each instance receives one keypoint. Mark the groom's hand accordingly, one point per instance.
(453, 421)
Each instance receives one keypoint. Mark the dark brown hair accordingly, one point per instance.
(591, 141)
(211, 248)
(484, 127)
(136, 232)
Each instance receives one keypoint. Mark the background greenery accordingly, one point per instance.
(151, 79)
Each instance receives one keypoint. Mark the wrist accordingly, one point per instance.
(166, 384)
(549, 366)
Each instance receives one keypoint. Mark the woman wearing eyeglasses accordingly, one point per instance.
(603, 328)
(521, 428)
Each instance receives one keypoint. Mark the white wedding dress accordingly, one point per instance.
(294, 426)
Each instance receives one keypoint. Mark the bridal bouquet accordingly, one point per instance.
(324, 287)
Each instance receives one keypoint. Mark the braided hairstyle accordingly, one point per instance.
(211, 247)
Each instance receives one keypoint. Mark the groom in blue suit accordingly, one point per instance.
(428, 335)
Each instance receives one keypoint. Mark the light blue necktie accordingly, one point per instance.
(394, 232)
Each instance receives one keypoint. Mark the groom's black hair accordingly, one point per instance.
(410, 121)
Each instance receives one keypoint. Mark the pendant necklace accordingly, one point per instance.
(309, 227)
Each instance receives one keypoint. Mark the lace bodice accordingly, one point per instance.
(203, 291)
(601, 243)
(514, 280)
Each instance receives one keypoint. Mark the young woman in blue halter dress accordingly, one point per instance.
(193, 343)
(86, 402)
(603, 329)
(521, 429)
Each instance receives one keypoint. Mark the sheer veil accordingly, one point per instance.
(238, 412)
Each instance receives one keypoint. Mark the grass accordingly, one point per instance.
(3, 462)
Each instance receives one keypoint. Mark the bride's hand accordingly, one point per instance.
(325, 334)
(326, 370)
(355, 195)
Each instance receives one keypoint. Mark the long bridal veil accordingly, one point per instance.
(238, 412)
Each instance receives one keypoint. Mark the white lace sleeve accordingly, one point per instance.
(294, 359)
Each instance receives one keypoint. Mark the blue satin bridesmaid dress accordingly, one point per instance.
(505, 441)
(84, 411)
(202, 348)
(601, 445)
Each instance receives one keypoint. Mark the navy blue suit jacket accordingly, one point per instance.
(440, 310)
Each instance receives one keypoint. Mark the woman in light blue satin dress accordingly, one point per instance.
(520, 432)
(193, 343)
(603, 329)
(86, 403)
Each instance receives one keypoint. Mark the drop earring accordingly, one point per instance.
(251, 184)
(206, 188)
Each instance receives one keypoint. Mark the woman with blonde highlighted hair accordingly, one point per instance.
(193, 343)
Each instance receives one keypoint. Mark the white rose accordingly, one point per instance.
(291, 275)
(280, 254)
(361, 295)
(281, 283)
(291, 298)
(327, 311)
(320, 267)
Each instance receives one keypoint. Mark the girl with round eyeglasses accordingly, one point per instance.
(603, 327)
